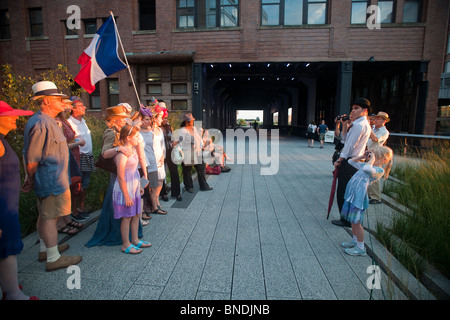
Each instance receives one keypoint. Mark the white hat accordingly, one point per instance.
(46, 88)
(127, 106)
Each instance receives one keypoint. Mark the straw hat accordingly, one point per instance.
(46, 88)
(383, 115)
(116, 111)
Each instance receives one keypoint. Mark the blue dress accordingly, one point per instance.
(11, 240)
(356, 197)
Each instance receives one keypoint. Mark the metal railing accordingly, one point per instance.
(405, 143)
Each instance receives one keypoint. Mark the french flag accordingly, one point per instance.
(100, 59)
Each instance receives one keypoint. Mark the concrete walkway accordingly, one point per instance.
(253, 237)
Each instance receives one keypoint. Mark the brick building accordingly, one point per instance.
(305, 58)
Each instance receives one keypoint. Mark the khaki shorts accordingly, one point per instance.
(53, 207)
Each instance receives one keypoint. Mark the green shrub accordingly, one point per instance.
(425, 190)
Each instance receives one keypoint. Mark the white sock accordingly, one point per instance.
(360, 245)
(42, 247)
(53, 254)
(354, 239)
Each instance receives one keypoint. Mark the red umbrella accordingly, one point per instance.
(333, 190)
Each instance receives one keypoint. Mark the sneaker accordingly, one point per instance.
(62, 262)
(61, 248)
(355, 251)
(349, 244)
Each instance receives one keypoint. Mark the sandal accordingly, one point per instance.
(146, 216)
(143, 244)
(159, 211)
(145, 222)
(68, 230)
(74, 224)
(132, 247)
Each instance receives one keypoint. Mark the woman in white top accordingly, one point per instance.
(311, 131)
(159, 155)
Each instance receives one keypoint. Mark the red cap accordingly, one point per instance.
(6, 110)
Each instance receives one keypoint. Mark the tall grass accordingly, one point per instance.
(425, 191)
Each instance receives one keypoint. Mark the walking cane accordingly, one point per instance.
(333, 191)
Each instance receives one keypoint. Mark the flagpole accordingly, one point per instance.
(126, 60)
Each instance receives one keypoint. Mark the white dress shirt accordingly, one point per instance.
(82, 131)
(356, 138)
(382, 135)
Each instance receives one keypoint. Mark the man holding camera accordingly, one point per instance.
(355, 145)
(378, 137)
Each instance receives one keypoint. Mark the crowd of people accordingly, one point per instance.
(58, 162)
(137, 146)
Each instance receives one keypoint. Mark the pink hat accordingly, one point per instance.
(6, 110)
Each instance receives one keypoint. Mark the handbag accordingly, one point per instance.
(177, 154)
(106, 164)
(213, 170)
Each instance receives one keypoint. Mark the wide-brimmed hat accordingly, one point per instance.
(116, 111)
(188, 117)
(7, 110)
(46, 88)
(383, 115)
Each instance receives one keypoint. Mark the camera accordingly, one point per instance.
(344, 117)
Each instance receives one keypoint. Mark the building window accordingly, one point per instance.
(359, 11)
(179, 73)
(5, 31)
(36, 22)
(95, 99)
(412, 10)
(317, 11)
(384, 88)
(275, 118)
(113, 92)
(153, 74)
(154, 89)
(185, 13)
(207, 13)
(386, 10)
(229, 13)
(293, 12)
(394, 86)
(179, 105)
(90, 26)
(448, 44)
(70, 32)
(447, 67)
(147, 15)
(179, 88)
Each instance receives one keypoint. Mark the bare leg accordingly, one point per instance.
(8, 279)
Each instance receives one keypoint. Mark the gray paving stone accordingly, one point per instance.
(252, 237)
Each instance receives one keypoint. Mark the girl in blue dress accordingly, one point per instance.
(356, 197)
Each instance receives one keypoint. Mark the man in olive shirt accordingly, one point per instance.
(46, 159)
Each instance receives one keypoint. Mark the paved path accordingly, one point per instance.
(253, 237)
